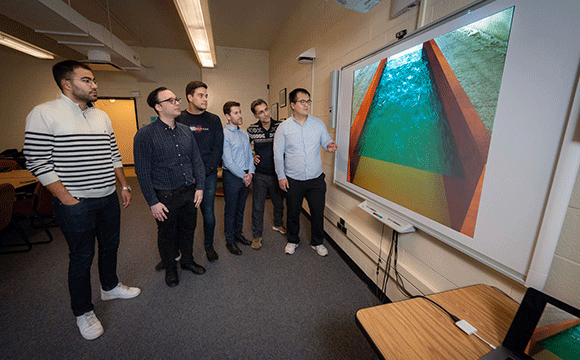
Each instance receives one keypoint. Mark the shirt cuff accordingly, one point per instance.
(48, 178)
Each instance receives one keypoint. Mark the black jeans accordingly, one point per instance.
(262, 185)
(177, 231)
(314, 190)
(80, 224)
(235, 195)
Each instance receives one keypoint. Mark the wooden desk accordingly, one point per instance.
(18, 178)
(417, 329)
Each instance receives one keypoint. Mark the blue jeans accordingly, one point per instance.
(235, 195)
(80, 224)
(207, 209)
(262, 185)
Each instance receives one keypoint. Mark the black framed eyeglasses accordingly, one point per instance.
(304, 102)
(172, 101)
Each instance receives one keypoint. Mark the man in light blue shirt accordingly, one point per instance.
(298, 164)
(237, 175)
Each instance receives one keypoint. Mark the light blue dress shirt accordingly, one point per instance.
(237, 154)
(297, 148)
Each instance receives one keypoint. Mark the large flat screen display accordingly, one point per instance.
(457, 128)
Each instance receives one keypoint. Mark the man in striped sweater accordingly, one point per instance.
(70, 147)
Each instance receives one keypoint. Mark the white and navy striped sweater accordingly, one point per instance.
(73, 146)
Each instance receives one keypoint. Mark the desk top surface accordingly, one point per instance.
(18, 178)
(417, 329)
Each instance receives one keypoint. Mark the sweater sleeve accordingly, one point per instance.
(218, 146)
(38, 147)
(198, 169)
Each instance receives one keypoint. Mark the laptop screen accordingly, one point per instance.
(545, 328)
(557, 336)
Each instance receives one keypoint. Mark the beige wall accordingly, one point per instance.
(240, 75)
(341, 36)
(26, 82)
(565, 270)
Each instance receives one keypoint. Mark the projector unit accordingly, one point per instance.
(361, 6)
(398, 7)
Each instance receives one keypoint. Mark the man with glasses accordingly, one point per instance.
(70, 147)
(299, 168)
(262, 135)
(208, 132)
(171, 174)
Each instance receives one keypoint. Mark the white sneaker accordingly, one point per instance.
(290, 248)
(120, 292)
(89, 325)
(320, 249)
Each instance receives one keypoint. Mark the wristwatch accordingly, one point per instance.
(128, 188)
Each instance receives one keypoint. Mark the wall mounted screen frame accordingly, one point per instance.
(529, 121)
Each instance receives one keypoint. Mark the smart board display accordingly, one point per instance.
(457, 128)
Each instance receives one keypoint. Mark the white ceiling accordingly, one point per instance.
(252, 24)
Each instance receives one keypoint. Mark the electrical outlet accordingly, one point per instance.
(341, 225)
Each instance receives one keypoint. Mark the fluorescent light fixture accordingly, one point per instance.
(195, 17)
(23, 46)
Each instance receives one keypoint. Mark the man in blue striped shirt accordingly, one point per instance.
(70, 147)
(237, 176)
(298, 164)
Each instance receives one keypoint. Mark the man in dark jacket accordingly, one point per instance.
(208, 132)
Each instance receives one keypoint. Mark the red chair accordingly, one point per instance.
(7, 220)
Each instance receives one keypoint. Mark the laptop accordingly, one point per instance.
(544, 328)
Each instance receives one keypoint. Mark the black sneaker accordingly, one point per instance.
(211, 254)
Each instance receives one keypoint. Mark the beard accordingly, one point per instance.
(87, 96)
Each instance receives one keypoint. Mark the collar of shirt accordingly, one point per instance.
(298, 122)
(74, 106)
(259, 123)
(232, 128)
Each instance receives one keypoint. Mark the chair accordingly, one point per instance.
(9, 164)
(35, 208)
(7, 220)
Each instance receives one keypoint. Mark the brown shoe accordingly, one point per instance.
(281, 229)
(256, 243)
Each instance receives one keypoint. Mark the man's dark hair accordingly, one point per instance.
(294, 94)
(256, 103)
(190, 88)
(64, 69)
(153, 98)
(229, 105)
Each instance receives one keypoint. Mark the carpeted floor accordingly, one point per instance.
(261, 305)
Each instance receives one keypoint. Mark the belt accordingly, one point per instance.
(181, 190)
